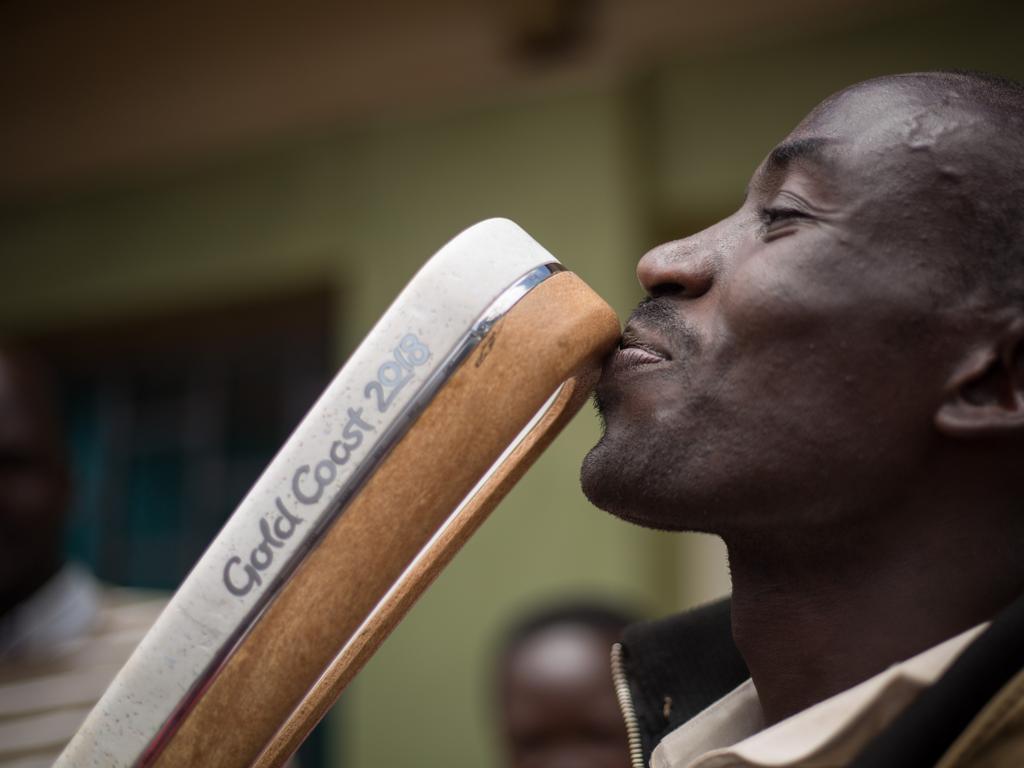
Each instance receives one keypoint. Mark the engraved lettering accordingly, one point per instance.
(415, 351)
(342, 449)
(286, 517)
(339, 458)
(355, 419)
(233, 586)
(297, 490)
(382, 402)
(487, 346)
(262, 555)
(393, 375)
(325, 473)
(310, 482)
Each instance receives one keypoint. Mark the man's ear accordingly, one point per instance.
(985, 396)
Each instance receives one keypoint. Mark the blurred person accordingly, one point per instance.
(831, 380)
(63, 635)
(557, 706)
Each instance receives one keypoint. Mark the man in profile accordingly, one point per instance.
(832, 380)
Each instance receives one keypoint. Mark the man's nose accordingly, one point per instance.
(679, 268)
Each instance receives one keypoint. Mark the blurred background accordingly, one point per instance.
(204, 206)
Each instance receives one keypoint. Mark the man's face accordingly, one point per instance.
(33, 478)
(557, 701)
(791, 356)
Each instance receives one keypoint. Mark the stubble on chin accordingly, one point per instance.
(643, 472)
(594, 475)
(619, 481)
(615, 476)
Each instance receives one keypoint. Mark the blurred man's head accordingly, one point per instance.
(557, 704)
(850, 337)
(33, 477)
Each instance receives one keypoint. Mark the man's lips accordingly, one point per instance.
(632, 356)
(634, 352)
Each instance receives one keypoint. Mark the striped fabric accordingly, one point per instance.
(58, 652)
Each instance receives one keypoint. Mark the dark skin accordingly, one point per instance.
(557, 701)
(33, 480)
(807, 381)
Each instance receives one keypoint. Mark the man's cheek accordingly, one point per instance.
(786, 288)
(30, 494)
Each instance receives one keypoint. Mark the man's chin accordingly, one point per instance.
(593, 475)
(609, 484)
(643, 487)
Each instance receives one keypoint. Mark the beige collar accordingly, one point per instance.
(729, 734)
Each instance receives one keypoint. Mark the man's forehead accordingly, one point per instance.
(908, 112)
(877, 130)
(835, 127)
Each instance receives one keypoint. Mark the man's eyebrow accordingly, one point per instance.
(796, 149)
(780, 158)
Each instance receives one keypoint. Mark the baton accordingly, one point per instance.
(480, 361)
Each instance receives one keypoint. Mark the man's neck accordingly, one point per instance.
(810, 625)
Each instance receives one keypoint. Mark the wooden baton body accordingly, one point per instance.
(384, 490)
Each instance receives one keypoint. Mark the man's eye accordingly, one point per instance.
(770, 216)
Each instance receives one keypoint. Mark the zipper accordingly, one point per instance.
(636, 750)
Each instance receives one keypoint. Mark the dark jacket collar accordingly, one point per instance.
(677, 667)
